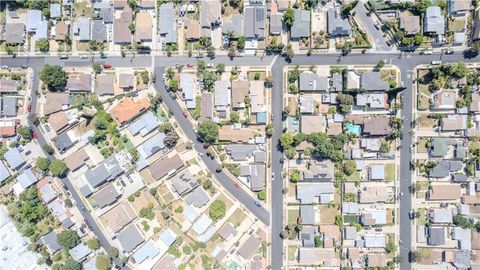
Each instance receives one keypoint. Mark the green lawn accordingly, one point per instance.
(390, 172)
(78, 100)
(422, 219)
(423, 103)
(355, 176)
(292, 253)
(456, 25)
(350, 218)
(293, 214)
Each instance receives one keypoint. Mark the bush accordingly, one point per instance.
(349, 167)
(179, 209)
(93, 243)
(187, 250)
(295, 176)
(262, 195)
(153, 191)
(217, 210)
(147, 212)
(68, 239)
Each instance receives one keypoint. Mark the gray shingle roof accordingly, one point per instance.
(198, 197)
(234, 26)
(152, 145)
(105, 84)
(13, 158)
(338, 26)
(106, 196)
(144, 125)
(50, 241)
(8, 106)
(371, 81)
(99, 31)
(240, 152)
(301, 24)
(14, 33)
(434, 20)
(254, 26)
(63, 141)
(166, 23)
(436, 236)
(312, 82)
(80, 252)
(276, 24)
(130, 238)
(107, 170)
(307, 213)
(82, 28)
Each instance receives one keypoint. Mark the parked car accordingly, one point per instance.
(185, 114)
(4, 67)
(257, 203)
(411, 214)
(34, 135)
(449, 51)
(24, 66)
(29, 107)
(103, 56)
(189, 65)
(84, 56)
(210, 65)
(436, 62)
(63, 56)
(237, 184)
(107, 66)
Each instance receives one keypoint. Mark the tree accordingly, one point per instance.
(384, 147)
(42, 163)
(171, 138)
(262, 195)
(380, 64)
(462, 221)
(43, 44)
(390, 246)
(71, 264)
(93, 243)
(234, 117)
(170, 73)
(47, 148)
(208, 131)
(318, 241)
(295, 176)
(68, 239)
(97, 68)
(290, 52)
(103, 262)
(58, 168)
(345, 102)
(286, 140)
(217, 210)
(132, 27)
(114, 252)
(415, 256)
(293, 89)
(54, 77)
(241, 43)
(288, 17)
(208, 79)
(173, 85)
(220, 68)
(349, 167)
(459, 69)
(24, 132)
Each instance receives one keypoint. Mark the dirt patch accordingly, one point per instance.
(328, 214)
(237, 217)
(143, 200)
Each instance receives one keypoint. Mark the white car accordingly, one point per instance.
(4, 67)
(84, 56)
(436, 62)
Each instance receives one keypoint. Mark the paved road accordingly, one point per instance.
(405, 62)
(66, 181)
(228, 183)
(368, 25)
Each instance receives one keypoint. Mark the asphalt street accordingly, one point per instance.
(368, 25)
(405, 62)
(227, 182)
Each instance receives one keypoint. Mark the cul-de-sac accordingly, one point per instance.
(239, 134)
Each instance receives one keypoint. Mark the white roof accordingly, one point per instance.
(202, 224)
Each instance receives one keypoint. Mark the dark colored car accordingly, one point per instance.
(103, 56)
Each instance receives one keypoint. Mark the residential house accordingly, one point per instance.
(441, 215)
(65, 140)
(24, 181)
(436, 236)
(276, 24)
(240, 91)
(130, 238)
(99, 31)
(8, 106)
(301, 24)
(165, 165)
(337, 26)
(104, 85)
(210, 15)
(312, 82)
(458, 8)
(240, 152)
(318, 256)
(76, 159)
(61, 31)
(454, 122)
(106, 196)
(336, 82)
(444, 192)
(143, 27)
(119, 216)
(119, 4)
(14, 33)
(312, 123)
(152, 145)
(444, 168)
(307, 104)
(254, 26)
(307, 214)
(372, 100)
(187, 84)
(166, 23)
(377, 126)
(222, 95)
(375, 240)
(144, 125)
(198, 197)
(445, 100)
(314, 192)
(81, 28)
(254, 174)
(374, 194)
(192, 29)
(202, 224)
(59, 122)
(128, 109)
(376, 260)
(227, 231)
(7, 128)
(318, 171)
(107, 170)
(257, 97)
(80, 252)
(79, 82)
(476, 26)
(8, 85)
(376, 172)
(4, 172)
(235, 135)
(49, 240)
(250, 247)
(36, 24)
(14, 159)
(121, 30)
(148, 250)
(410, 23)
(55, 102)
(147, 4)
(434, 21)
(55, 11)
(233, 26)
(207, 107)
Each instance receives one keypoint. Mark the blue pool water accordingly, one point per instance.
(355, 129)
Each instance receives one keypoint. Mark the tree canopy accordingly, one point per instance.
(288, 17)
(42, 44)
(42, 163)
(68, 239)
(24, 131)
(217, 210)
(208, 131)
(58, 168)
(71, 264)
(54, 77)
(103, 262)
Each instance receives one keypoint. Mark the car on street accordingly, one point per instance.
(4, 67)
(103, 56)
(107, 66)
(237, 184)
(449, 51)
(84, 56)
(24, 66)
(257, 203)
(34, 135)
(63, 56)
(411, 214)
(273, 176)
(426, 52)
(185, 114)
(210, 65)
(436, 62)
(170, 111)
(154, 78)
(29, 107)
(190, 65)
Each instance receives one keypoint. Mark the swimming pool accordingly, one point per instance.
(355, 129)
